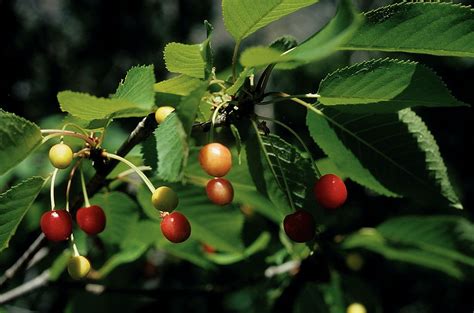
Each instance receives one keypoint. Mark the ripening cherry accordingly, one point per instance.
(164, 199)
(175, 227)
(56, 225)
(220, 191)
(215, 159)
(299, 226)
(162, 113)
(330, 191)
(60, 155)
(78, 267)
(91, 219)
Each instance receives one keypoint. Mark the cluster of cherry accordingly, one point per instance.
(56, 224)
(331, 193)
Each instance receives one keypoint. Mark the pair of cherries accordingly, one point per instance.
(331, 193)
(216, 160)
(57, 224)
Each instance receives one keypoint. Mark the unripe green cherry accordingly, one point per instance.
(162, 113)
(164, 199)
(60, 155)
(78, 267)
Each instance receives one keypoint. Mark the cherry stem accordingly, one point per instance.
(213, 120)
(132, 166)
(84, 190)
(69, 182)
(75, 126)
(284, 97)
(288, 128)
(53, 179)
(74, 246)
(58, 132)
(131, 171)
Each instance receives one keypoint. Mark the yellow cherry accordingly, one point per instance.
(164, 199)
(78, 267)
(60, 155)
(162, 113)
(356, 308)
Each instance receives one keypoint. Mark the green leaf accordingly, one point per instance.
(138, 87)
(238, 141)
(245, 191)
(90, 108)
(173, 134)
(327, 166)
(170, 91)
(180, 85)
(94, 125)
(438, 28)
(284, 43)
(14, 204)
(188, 107)
(384, 86)
(185, 59)
(320, 45)
(149, 152)
(429, 241)
(280, 172)
(326, 297)
(121, 215)
(338, 31)
(232, 90)
(59, 265)
(229, 258)
(139, 236)
(244, 17)
(172, 147)
(392, 154)
(18, 138)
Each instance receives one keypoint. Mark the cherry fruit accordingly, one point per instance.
(56, 225)
(78, 267)
(220, 191)
(215, 159)
(330, 191)
(164, 199)
(162, 113)
(91, 219)
(175, 227)
(300, 226)
(356, 308)
(60, 155)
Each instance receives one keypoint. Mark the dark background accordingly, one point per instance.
(53, 45)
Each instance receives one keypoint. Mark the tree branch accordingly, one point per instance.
(23, 260)
(25, 288)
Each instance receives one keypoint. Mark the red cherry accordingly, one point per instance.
(220, 191)
(175, 227)
(330, 191)
(56, 225)
(299, 226)
(91, 219)
(215, 159)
